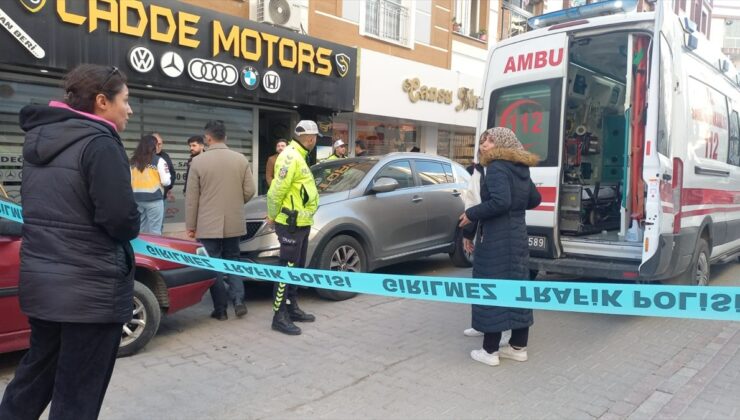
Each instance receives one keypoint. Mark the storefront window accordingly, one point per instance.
(458, 145)
(175, 120)
(386, 136)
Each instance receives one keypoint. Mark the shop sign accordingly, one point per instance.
(194, 47)
(417, 92)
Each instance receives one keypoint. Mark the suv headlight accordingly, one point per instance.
(266, 229)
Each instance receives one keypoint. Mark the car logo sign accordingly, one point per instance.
(172, 64)
(342, 61)
(33, 6)
(250, 78)
(214, 72)
(141, 59)
(271, 82)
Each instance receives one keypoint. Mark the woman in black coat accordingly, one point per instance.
(502, 250)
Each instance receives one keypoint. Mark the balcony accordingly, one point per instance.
(387, 20)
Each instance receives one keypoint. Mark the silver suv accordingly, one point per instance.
(373, 212)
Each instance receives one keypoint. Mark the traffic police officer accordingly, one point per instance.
(291, 203)
(340, 150)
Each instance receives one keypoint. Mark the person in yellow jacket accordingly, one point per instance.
(291, 203)
(340, 151)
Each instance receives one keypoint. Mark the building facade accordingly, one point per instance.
(186, 63)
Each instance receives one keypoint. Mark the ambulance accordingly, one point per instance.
(635, 119)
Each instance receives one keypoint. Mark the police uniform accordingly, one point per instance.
(292, 201)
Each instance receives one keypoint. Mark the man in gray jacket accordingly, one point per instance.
(219, 184)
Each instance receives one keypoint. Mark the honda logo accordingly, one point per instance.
(214, 72)
(271, 82)
(141, 59)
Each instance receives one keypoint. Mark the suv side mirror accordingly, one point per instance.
(384, 184)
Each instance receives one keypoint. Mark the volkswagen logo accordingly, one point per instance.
(141, 59)
(172, 64)
(271, 82)
(213, 72)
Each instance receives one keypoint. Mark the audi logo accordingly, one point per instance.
(214, 72)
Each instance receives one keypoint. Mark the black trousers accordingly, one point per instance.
(69, 365)
(519, 338)
(228, 249)
(293, 249)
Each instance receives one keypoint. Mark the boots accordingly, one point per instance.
(281, 322)
(296, 314)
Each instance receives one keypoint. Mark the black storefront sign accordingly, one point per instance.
(172, 46)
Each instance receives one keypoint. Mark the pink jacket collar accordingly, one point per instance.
(57, 104)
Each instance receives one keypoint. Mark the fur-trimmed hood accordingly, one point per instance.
(512, 155)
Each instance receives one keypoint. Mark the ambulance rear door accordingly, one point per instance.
(524, 91)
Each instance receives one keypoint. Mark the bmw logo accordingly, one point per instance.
(250, 78)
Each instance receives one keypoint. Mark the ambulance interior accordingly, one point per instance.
(593, 203)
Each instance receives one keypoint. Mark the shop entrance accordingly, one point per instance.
(273, 125)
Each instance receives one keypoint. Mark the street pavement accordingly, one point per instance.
(378, 357)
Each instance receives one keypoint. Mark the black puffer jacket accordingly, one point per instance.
(79, 211)
(502, 250)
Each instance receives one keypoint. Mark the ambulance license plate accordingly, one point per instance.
(538, 243)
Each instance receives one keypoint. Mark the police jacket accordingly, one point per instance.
(293, 187)
(79, 215)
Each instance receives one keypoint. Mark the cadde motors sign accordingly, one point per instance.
(173, 46)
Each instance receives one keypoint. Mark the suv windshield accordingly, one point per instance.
(342, 175)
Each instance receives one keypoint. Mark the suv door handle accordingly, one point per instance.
(456, 193)
(416, 199)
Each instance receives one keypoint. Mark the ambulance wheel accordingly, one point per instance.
(342, 253)
(144, 322)
(698, 274)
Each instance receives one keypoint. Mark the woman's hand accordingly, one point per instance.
(464, 221)
(468, 245)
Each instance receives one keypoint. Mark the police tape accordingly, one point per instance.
(714, 303)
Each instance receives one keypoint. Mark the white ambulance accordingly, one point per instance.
(635, 118)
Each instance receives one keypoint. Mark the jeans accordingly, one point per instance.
(69, 365)
(228, 249)
(152, 216)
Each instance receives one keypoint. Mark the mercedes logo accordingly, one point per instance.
(217, 73)
(172, 64)
(141, 59)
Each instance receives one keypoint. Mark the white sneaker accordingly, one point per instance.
(508, 352)
(480, 355)
(472, 332)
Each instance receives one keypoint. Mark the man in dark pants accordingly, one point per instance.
(291, 203)
(219, 184)
(196, 144)
(77, 264)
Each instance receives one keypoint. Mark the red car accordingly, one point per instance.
(160, 287)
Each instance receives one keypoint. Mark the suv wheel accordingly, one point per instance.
(460, 257)
(342, 253)
(144, 322)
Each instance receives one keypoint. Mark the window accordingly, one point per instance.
(399, 170)
(384, 136)
(709, 122)
(467, 17)
(732, 34)
(514, 15)
(387, 19)
(423, 22)
(351, 10)
(448, 173)
(431, 173)
(532, 111)
(733, 156)
(337, 176)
